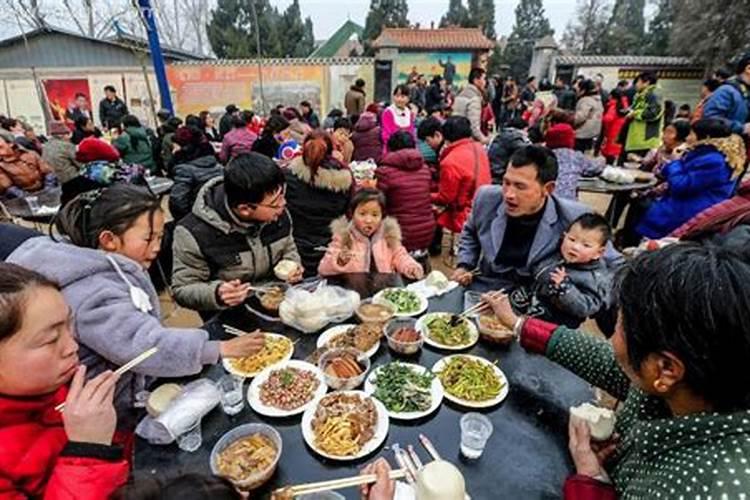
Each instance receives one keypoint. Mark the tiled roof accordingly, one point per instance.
(445, 38)
(330, 47)
(624, 61)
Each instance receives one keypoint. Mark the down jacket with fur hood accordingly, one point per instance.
(314, 203)
(382, 251)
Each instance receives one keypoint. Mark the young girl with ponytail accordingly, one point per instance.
(112, 236)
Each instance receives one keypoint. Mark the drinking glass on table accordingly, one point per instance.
(191, 439)
(232, 398)
(476, 429)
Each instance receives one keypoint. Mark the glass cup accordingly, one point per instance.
(33, 203)
(476, 429)
(232, 398)
(191, 439)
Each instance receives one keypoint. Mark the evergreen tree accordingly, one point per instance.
(295, 41)
(660, 29)
(231, 30)
(531, 25)
(585, 32)
(487, 18)
(710, 33)
(457, 15)
(384, 14)
(625, 29)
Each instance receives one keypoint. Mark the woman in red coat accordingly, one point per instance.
(404, 178)
(612, 122)
(464, 168)
(46, 453)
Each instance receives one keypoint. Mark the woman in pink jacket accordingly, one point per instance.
(369, 242)
(397, 116)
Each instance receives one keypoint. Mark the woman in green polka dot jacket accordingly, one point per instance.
(679, 361)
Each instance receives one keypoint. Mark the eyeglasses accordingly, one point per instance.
(278, 202)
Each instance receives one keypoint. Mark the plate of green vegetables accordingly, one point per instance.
(407, 391)
(440, 331)
(405, 302)
(471, 381)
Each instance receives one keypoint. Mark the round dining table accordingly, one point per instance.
(525, 458)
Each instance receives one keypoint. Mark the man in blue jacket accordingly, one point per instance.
(731, 101)
(513, 228)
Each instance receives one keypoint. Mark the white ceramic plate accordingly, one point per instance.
(253, 391)
(231, 369)
(423, 302)
(475, 404)
(421, 326)
(436, 390)
(332, 332)
(381, 430)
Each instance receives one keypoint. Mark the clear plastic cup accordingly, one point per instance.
(476, 429)
(191, 439)
(232, 398)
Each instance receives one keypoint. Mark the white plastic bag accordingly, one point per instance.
(198, 398)
(310, 311)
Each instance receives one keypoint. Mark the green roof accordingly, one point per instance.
(338, 39)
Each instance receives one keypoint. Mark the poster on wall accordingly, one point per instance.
(24, 103)
(68, 99)
(140, 102)
(212, 88)
(453, 66)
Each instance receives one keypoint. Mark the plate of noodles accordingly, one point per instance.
(345, 425)
(278, 349)
(286, 389)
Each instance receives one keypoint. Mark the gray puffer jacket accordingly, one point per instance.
(110, 328)
(468, 103)
(211, 247)
(582, 294)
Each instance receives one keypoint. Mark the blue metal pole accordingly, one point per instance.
(156, 56)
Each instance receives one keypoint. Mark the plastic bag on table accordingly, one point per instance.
(310, 310)
(198, 398)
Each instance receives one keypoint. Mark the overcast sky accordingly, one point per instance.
(328, 15)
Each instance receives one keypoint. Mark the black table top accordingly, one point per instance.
(526, 456)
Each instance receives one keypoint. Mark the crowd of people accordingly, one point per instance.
(258, 190)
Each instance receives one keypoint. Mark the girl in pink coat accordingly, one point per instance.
(397, 116)
(369, 242)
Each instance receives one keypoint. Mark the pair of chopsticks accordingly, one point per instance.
(349, 482)
(233, 331)
(127, 366)
(337, 484)
(479, 307)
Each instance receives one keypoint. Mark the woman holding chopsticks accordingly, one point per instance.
(116, 234)
(46, 453)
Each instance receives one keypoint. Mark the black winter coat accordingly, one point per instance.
(188, 179)
(313, 204)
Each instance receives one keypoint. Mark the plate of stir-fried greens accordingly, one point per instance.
(471, 381)
(407, 391)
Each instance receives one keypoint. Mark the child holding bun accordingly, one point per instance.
(368, 242)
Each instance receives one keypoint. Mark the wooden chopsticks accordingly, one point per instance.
(127, 366)
(479, 307)
(233, 331)
(337, 484)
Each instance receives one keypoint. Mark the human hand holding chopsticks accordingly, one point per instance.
(89, 415)
(500, 304)
(382, 489)
(243, 345)
(233, 293)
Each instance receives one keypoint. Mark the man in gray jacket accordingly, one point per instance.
(238, 231)
(515, 227)
(469, 103)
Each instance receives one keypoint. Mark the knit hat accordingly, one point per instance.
(93, 149)
(58, 128)
(560, 135)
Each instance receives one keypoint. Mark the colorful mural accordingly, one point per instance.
(212, 87)
(61, 97)
(435, 63)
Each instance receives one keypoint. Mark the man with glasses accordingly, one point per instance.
(239, 229)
